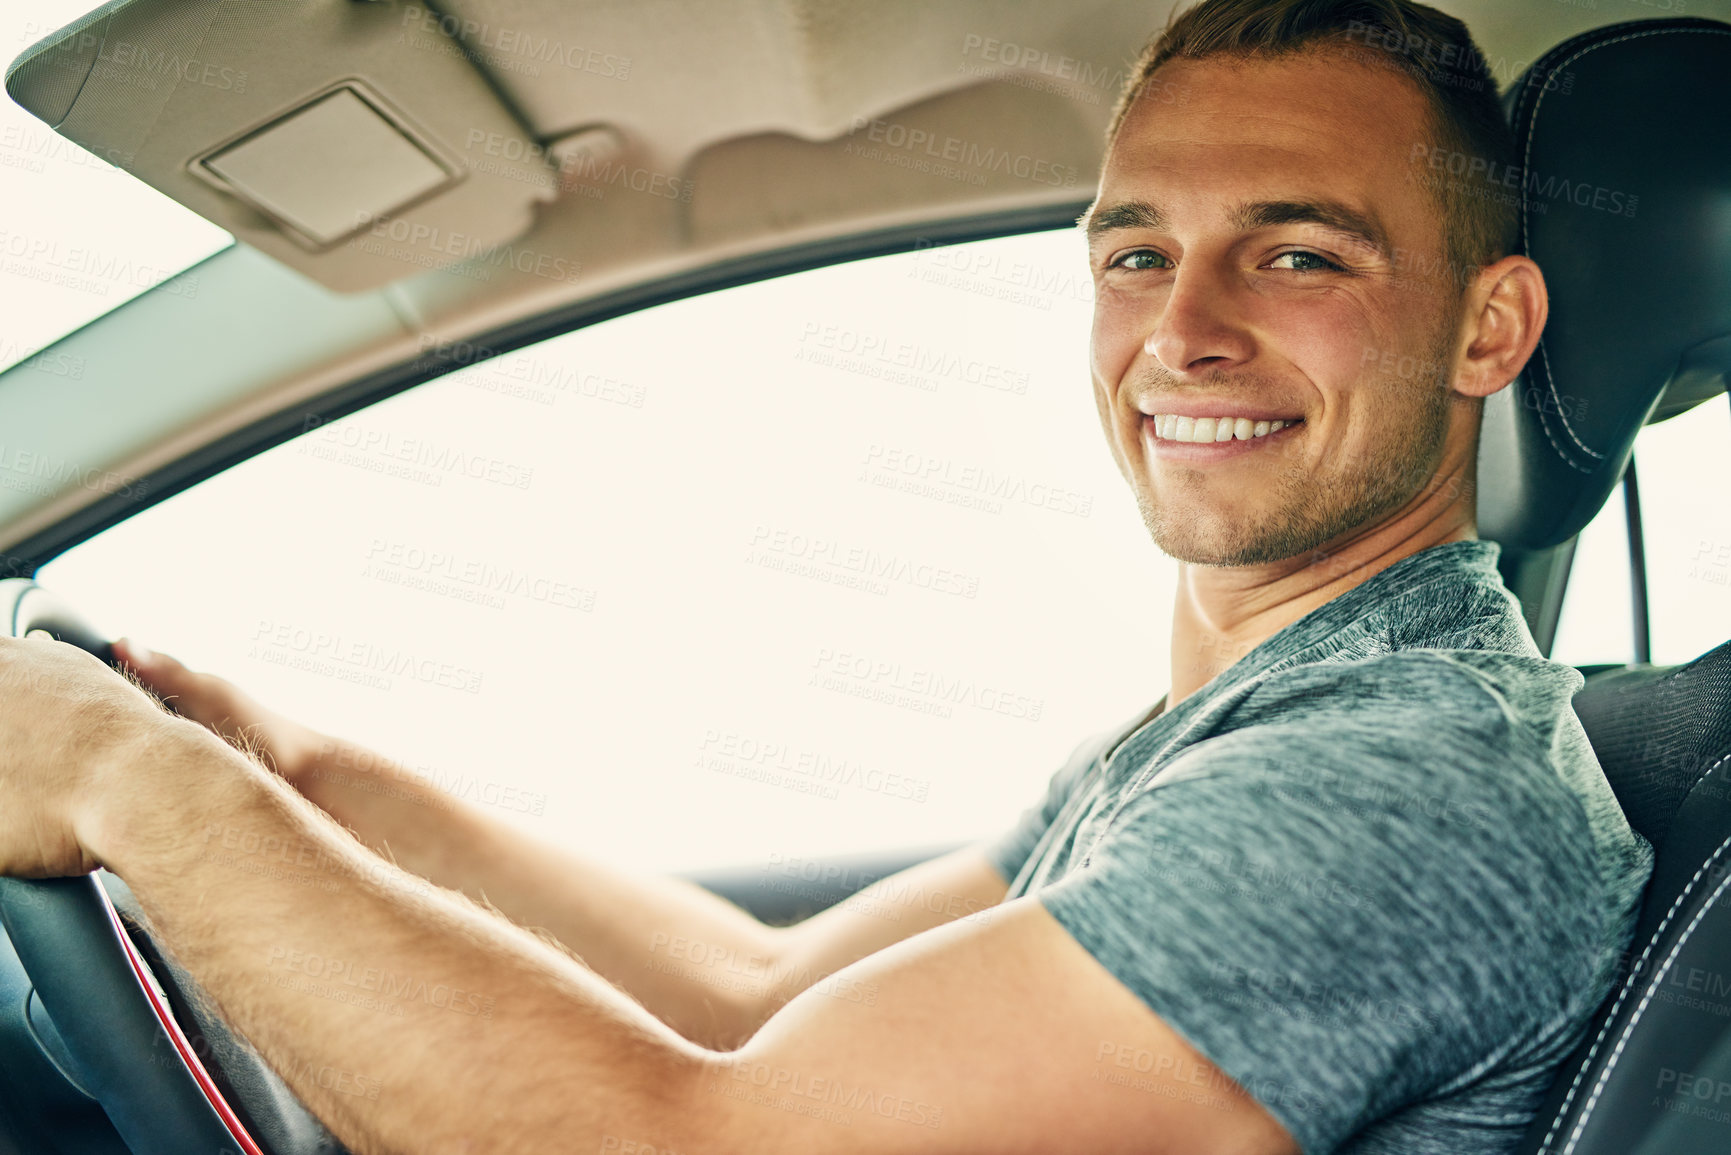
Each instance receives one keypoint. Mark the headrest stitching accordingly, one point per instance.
(1545, 424)
(1526, 166)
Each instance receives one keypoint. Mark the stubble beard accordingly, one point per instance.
(1305, 510)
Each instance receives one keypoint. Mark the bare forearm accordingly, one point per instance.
(391, 809)
(700, 964)
(448, 1012)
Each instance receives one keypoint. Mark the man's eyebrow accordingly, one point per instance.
(1331, 215)
(1123, 215)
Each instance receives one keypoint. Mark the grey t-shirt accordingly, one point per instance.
(1373, 871)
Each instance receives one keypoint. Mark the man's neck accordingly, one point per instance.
(1224, 612)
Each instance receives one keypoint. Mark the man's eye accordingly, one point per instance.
(1140, 259)
(1303, 262)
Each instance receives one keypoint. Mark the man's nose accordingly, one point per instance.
(1200, 329)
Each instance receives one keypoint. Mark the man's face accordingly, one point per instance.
(1259, 252)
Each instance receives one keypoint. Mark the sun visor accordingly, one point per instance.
(354, 141)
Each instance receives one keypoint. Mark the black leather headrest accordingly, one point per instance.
(1624, 134)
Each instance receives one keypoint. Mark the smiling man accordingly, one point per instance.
(1355, 884)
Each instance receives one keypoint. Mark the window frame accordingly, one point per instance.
(26, 557)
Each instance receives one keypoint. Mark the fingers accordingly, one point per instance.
(187, 691)
(218, 705)
(133, 653)
(157, 670)
(143, 669)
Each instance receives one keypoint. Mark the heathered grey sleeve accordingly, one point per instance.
(1354, 910)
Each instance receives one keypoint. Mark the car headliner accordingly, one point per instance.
(787, 121)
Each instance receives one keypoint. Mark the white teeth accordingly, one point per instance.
(1169, 427)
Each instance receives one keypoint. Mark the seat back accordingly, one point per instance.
(1624, 199)
(1653, 1075)
(1625, 152)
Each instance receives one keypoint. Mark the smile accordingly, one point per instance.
(1204, 430)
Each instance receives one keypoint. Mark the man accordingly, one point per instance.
(1355, 884)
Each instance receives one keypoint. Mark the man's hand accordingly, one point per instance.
(286, 746)
(66, 723)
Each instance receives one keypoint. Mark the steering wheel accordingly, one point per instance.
(100, 1000)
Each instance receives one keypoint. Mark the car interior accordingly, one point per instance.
(413, 186)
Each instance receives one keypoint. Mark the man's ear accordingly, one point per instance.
(1504, 314)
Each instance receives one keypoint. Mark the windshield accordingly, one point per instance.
(78, 237)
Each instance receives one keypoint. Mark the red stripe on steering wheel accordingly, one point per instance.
(237, 1130)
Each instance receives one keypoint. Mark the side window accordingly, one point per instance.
(1596, 624)
(1684, 470)
(1686, 521)
(833, 563)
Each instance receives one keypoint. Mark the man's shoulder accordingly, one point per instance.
(1480, 750)
(1429, 687)
(1423, 777)
(1490, 737)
